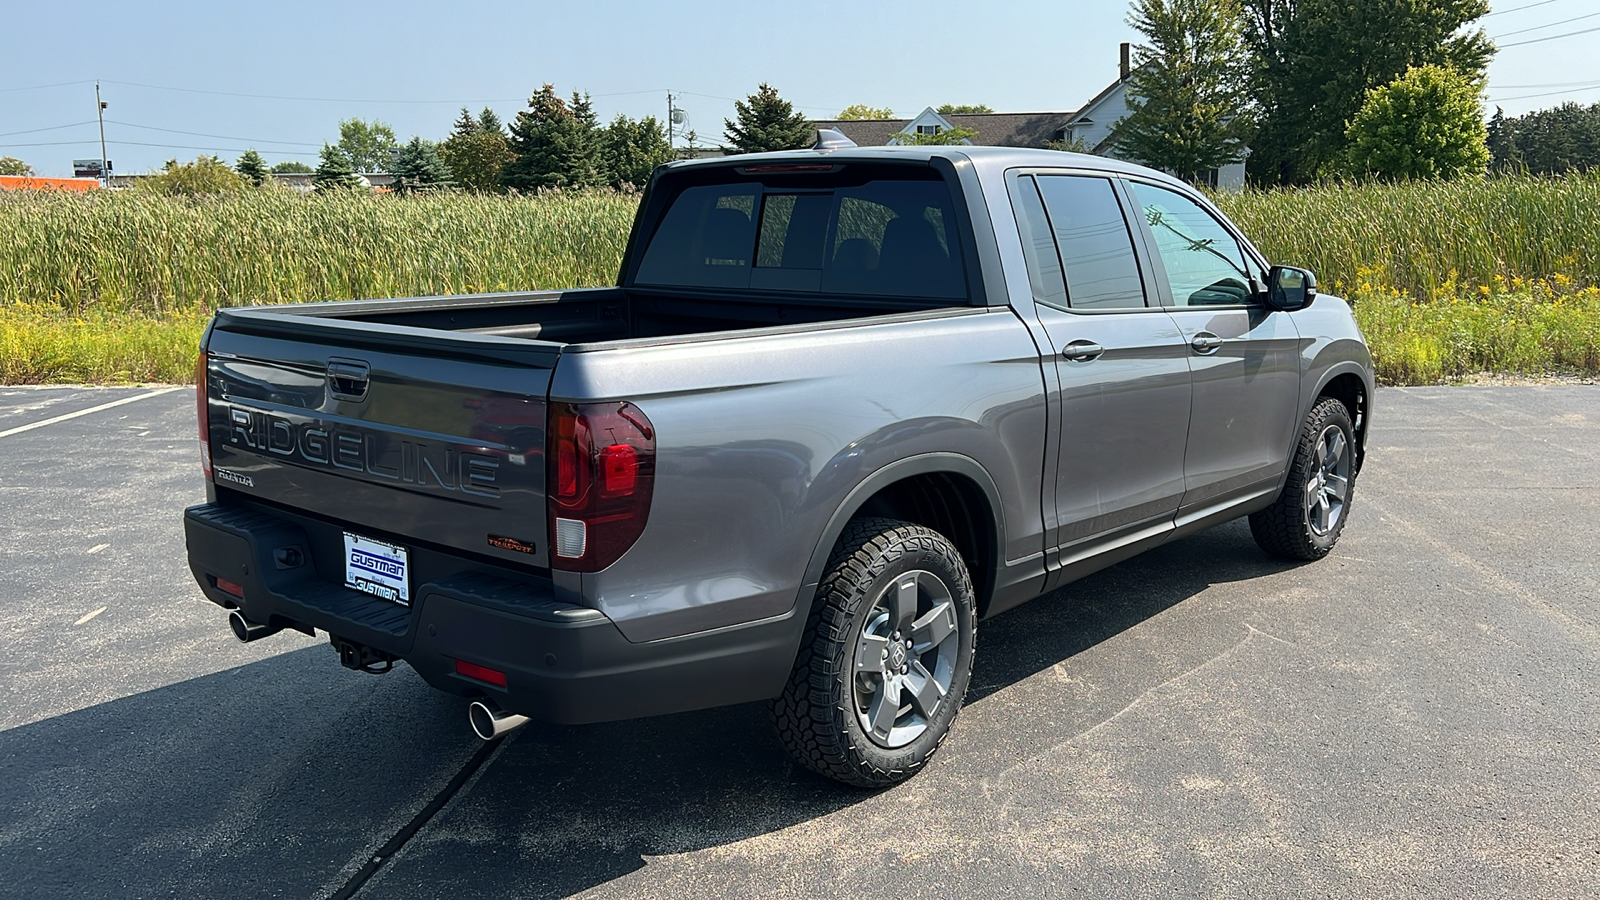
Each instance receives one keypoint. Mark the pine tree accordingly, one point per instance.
(1187, 100)
(1501, 139)
(418, 169)
(554, 145)
(489, 123)
(334, 172)
(253, 167)
(766, 122)
(464, 124)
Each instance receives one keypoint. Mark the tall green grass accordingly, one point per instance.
(132, 252)
(1447, 279)
(1427, 239)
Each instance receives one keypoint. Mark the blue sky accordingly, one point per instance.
(177, 74)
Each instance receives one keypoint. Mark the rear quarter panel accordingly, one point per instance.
(762, 435)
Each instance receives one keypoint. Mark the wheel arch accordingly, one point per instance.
(948, 492)
(1348, 385)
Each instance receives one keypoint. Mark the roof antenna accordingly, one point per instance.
(832, 139)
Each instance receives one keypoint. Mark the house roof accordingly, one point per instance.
(1027, 129)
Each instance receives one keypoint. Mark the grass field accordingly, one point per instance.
(1499, 275)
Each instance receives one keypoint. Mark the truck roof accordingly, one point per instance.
(983, 158)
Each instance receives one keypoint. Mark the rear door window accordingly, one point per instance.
(885, 237)
(1095, 243)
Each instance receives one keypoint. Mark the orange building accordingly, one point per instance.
(23, 183)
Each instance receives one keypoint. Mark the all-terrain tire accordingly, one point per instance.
(1291, 527)
(820, 714)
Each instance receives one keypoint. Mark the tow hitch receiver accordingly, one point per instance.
(361, 657)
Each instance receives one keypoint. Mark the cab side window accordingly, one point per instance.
(1094, 241)
(1205, 264)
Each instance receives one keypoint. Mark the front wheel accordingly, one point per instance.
(1308, 516)
(886, 657)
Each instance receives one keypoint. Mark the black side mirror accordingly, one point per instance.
(1290, 288)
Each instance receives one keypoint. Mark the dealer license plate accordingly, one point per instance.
(377, 568)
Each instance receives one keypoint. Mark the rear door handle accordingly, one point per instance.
(1205, 342)
(1082, 351)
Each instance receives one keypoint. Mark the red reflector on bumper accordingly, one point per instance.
(482, 673)
(228, 587)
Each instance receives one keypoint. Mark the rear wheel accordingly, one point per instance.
(886, 657)
(1308, 516)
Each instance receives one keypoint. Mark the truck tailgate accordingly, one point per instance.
(400, 434)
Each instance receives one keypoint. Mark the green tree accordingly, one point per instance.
(1187, 95)
(489, 123)
(1428, 123)
(1315, 60)
(956, 135)
(630, 149)
(964, 109)
(334, 171)
(369, 146)
(291, 167)
(1501, 140)
(476, 160)
(10, 165)
(418, 169)
(464, 125)
(206, 175)
(554, 144)
(1547, 141)
(252, 167)
(765, 122)
(858, 111)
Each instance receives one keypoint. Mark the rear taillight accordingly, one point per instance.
(602, 473)
(203, 414)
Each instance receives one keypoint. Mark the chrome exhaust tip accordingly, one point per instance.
(490, 721)
(247, 631)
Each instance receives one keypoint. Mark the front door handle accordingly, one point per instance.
(1082, 351)
(1205, 342)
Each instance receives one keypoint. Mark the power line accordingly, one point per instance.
(159, 87)
(161, 146)
(1548, 25)
(51, 128)
(1563, 84)
(1550, 38)
(1545, 94)
(40, 87)
(223, 137)
(1518, 8)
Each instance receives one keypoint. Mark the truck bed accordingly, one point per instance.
(592, 315)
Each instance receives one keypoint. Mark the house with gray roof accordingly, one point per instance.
(1091, 127)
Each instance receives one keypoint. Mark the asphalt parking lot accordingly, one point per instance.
(1415, 716)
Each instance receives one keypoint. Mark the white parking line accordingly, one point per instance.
(84, 412)
(85, 619)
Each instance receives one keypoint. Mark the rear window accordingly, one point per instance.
(884, 237)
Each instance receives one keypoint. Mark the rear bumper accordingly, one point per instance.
(563, 663)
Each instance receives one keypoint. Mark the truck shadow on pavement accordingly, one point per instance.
(283, 776)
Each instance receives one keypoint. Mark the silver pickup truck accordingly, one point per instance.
(842, 405)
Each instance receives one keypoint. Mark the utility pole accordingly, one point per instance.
(669, 121)
(100, 113)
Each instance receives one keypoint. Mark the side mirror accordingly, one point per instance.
(1290, 288)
